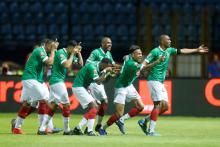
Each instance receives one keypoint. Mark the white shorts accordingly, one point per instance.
(126, 94)
(83, 96)
(59, 94)
(97, 91)
(33, 91)
(158, 91)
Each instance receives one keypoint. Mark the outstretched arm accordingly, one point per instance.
(200, 49)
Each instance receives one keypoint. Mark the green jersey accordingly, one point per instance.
(34, 68)
(58, 70)
(98, 54)
(87, 75)
(158, 72)
(129, 73)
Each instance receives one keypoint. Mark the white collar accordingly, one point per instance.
(103, 50)
(65, 50)
(161, 49)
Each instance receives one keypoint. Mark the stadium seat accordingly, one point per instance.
(62, 18)
(107, 7)
(27, 18)
(15, 18)
(99, 30)
(95, 8)
(132, 19)
(109, 18)
(53, 29)
(17, 29)
(74, 18)
(13, 7)
(36, 7)
(111, 30)
(41, 29)
(60, 8)
(51, 18)
(76, 30)
(6, 29)
(24, 8)
(83, 7)
(4, 18)
(87, 30)
(3, 8)
(156, 30)
(64, 29)
(85, 18)
(30, 30)
(48, 7)
(39, 18)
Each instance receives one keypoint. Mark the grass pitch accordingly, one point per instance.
(175, 131)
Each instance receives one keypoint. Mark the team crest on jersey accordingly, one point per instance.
(41, 54)
(61, 56)
(136, 64)
(94, 71)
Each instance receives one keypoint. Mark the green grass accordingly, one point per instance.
(176, 131)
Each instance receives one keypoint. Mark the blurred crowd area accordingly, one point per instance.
(189, 23)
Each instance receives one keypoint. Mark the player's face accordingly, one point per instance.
(104, 65)
(137, 55)
(107, 44)
(166, 41)
(48, 46)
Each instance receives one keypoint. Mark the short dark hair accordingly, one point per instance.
(104, 38)
(106, 61)
(47, 40)
(72, 43)
(133, 48)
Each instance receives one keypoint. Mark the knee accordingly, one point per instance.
(165, 105)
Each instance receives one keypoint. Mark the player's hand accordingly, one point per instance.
(108, 69)
(54, 46)
(78, 48)
(203, 49)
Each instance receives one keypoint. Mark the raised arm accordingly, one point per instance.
(200, 49)
(78, 53)
(49, 61)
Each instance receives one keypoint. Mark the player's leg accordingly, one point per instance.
(86, 101)
(90, 116)
(134, 97)
(50, 109)
(160, 98)
(98, 92)
(66, 119)
(120, 96)
(22, 114)
(113, 118)
(138, 107)
(25, 108)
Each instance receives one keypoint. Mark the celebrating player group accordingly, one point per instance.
(88, 88)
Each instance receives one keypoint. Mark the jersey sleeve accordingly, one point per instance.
(62, 58)
(43, 55)
(173, 51)
(93, 72)
(150, 57)
(92, 57)
(134, 66)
